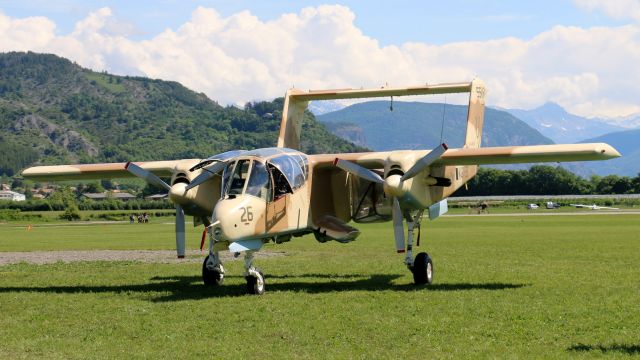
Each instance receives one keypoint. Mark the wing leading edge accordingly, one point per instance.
(485, 156)
(103, 171)
(529, 154)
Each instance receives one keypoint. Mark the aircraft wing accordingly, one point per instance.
(104, 171)
(485, 156)
(580, 206)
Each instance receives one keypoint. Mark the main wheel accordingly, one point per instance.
(211, 277)
(422, 269)
(255, 283)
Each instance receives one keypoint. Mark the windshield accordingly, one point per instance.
(252, 174)
(259, 183)
(238, 178)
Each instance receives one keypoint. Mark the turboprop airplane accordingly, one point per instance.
(245, 199)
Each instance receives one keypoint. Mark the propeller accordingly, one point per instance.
(393, 186)
(398, 225)
(155, 180)
(180, 238)
(146, 175)
(424, 162)
(206, 174)
(219, 162)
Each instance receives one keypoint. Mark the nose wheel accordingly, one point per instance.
(255, 281)
(253, 275)
(422, 269)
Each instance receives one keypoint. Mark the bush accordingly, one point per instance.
(71, 213)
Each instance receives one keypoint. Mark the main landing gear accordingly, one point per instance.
(212, 270)
(422, 265)
(422, 269)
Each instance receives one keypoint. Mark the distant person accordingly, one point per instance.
(132, 218)
(145, 218)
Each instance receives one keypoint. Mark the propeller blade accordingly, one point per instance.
(398, 226)
(180, 238)
(206, 174)
(146, 175)
(423, 163)
(358, 170)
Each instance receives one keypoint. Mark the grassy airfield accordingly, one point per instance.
(505, 286)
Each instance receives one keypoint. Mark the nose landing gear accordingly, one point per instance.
(253, 275)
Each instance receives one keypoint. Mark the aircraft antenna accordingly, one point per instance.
(444, 111)
(391, 106)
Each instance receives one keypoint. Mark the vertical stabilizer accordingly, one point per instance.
(475, 115)
(291, 124)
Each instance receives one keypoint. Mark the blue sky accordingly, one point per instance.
(581, 54)
(390, 22)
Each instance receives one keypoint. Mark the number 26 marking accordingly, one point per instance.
(247, 215)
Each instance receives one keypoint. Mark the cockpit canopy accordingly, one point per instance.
(265, 173)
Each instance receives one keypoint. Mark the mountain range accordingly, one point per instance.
(554, 122)
(416, 125)
(54, 111)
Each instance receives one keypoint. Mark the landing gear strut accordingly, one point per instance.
(422, 265)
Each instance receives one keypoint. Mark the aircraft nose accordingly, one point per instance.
(238, 218)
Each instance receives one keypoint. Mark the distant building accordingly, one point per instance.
(12, 196)
(107, 195)
(157, 197)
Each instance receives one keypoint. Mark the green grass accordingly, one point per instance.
(505, 287)
(103, 80)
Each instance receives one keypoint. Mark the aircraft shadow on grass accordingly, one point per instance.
(191, 287)
(613, 348)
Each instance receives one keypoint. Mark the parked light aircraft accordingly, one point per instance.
(248, 198)
(594, 207)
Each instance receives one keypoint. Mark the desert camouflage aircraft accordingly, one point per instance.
(248, 198)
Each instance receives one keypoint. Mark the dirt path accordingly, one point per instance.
(152, 256)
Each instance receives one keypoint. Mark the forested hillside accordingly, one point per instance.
(54, 111)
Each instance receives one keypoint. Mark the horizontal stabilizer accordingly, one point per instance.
(451, 88)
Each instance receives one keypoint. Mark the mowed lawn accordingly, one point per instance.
(505, 286)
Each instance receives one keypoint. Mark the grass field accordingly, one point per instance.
(505, 286)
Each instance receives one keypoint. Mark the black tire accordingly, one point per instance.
(422, 269)
(211, 277)
(255, 286)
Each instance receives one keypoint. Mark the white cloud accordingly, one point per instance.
(618, 9)
(240, 58)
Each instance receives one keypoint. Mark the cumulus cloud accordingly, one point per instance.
(240, 58)
(618, 9)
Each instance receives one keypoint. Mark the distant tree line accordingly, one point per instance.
(546, 180)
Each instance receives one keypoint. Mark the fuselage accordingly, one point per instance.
(264, 194)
